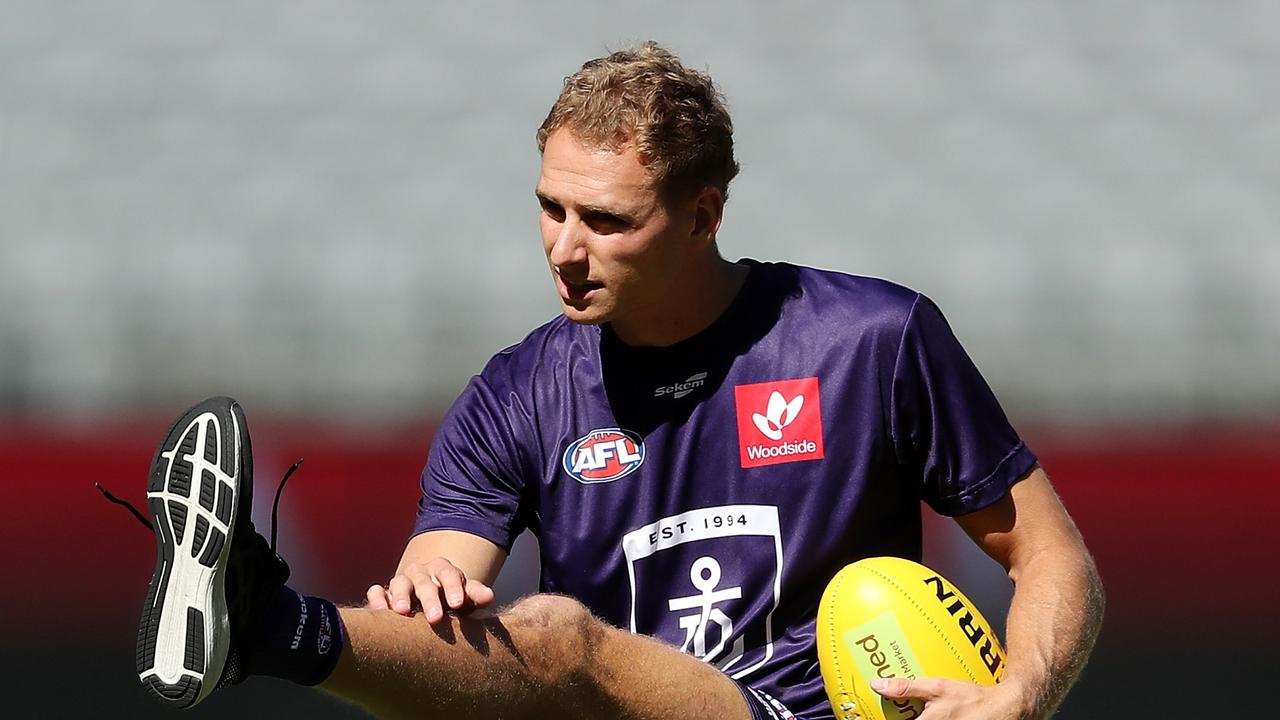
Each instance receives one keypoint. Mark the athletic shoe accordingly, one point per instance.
(214, 573)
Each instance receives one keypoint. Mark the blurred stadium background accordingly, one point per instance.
(325, 210)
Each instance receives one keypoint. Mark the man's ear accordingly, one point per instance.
(708, 211)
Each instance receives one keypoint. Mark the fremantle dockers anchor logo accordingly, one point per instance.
(705, 576)
(708, 581)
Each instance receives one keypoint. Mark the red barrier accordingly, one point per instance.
(1183, 523)
(344, 516)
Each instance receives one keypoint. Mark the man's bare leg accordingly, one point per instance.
(546, 656)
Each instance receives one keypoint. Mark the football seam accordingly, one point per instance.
(835, 647)
(925, 615)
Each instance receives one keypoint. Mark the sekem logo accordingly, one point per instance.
(604, 455)
(680, 389)
(790, 427)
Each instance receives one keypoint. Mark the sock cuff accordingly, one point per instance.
(301, 639)
(331, 638)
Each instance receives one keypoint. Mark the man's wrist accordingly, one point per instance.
(1021, 700)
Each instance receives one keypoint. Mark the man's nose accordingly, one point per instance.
(569, 247)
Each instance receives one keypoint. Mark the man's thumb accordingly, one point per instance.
(895, 688)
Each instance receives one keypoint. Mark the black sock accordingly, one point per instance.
(301, 639)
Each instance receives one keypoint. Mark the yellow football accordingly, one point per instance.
(886, 617)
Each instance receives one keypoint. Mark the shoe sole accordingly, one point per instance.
(199, 475)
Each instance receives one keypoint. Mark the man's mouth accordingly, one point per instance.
(571, 290)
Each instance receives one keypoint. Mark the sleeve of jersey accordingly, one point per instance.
(473, 481)
(948, 428)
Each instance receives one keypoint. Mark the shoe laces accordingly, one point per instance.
(275, 504)
(126, 505)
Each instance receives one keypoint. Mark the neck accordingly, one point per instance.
(699, 296)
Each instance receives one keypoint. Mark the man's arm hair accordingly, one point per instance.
(1058, 599)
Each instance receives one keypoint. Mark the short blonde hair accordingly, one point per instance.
(645, 99)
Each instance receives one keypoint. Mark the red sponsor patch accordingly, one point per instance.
(779, 422)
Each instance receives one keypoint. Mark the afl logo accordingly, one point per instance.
(604, 455)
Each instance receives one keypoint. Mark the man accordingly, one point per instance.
(699, 446)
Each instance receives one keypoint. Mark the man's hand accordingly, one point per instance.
(956, 700)
(427, 583)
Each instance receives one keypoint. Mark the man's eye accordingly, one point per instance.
(553, 211)
(606, 224)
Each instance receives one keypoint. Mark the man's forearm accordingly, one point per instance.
(1052, 625)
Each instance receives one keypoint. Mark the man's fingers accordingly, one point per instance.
(481, 595)
(900, 688)
(401, 590)
(378, 598)
(429, 583)
(453, 584)
(429, 597)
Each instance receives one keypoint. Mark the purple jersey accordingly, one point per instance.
(706, 492)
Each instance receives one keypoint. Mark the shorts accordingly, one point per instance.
(763, 706)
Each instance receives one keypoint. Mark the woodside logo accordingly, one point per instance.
(779, 422)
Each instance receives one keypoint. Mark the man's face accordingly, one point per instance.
(613, 245)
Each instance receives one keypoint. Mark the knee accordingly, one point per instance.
(563, 638)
